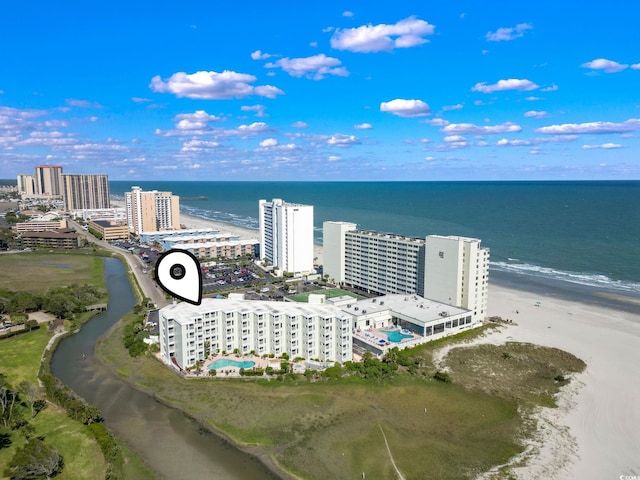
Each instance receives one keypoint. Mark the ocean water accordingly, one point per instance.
(561, 238)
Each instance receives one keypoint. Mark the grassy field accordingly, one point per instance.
(332, 429)
(20, 360)
(38, 271)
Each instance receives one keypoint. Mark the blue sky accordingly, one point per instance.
(429, 90)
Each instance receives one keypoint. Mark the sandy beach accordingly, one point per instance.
(595, 431)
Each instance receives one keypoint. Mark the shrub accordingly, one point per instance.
(442, 377)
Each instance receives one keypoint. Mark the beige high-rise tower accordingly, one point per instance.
(48, 180)
(152, 211)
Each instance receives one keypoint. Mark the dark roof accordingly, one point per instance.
(104, 223)
(60, 233)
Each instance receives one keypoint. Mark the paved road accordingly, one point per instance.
(136, 265)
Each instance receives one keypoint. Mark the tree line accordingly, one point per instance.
(62, 302)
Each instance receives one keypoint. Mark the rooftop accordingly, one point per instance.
(184, 312)
(419, 308)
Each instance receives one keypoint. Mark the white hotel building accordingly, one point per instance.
(448, 269)
(286, 235)
(310, 331)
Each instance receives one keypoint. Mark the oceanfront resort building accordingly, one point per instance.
(311, 331)
(448, 269)
(286, 235)
(151, 211)
(85, 191)
(328, 330)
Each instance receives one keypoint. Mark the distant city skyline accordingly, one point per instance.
(339, 91)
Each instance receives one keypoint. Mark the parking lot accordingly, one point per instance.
(241, 276)
(225, 276)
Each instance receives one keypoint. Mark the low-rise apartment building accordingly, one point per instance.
(302, 330)
(40, 225)
(61, 238)
(110, 230)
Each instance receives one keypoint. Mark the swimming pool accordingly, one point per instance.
(395, 336)
(225, 362)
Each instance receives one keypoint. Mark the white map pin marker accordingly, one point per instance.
(178, 273)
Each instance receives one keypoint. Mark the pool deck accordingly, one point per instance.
(374, 336)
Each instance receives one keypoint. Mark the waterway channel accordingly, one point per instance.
(171, 443)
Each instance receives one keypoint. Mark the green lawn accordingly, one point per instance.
(38, 271)
(20, 355)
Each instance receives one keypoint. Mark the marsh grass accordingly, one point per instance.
(38, 271)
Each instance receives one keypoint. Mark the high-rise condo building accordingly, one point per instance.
(152, 211)
(286, 235)
(450, 270)
(26, 184)
(85, 191)
(457, 272)
(48, 180)
(372, 261)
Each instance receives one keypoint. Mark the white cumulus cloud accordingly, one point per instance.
(315, 67)
(269, 142)
(363, 126)
(194, 121)
(212, 85)
(604, 145)
(406, 108)
(258, 109)
(299, 124)
(470, 128)
(437, 122)
(508, 84)
(592, 127)
(505, 34)
(454, 138)
(536, 114)
(406, 33)
(198, 146)
(608, 66)
(259, 55)
(457, 106)
(341, 140)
